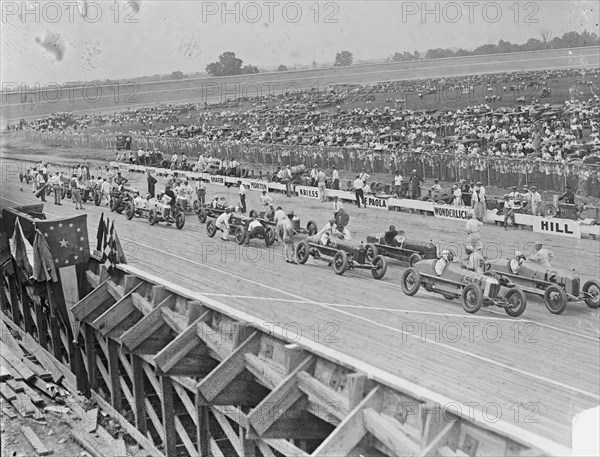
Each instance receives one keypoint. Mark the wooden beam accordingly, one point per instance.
(115, 315)
(263, 372)
(228, 369)
(143, 305)
(130, 282)
(202, 429)
(134, 338)
(436, 442)
(114, 374)
(214, 342)
(137, 382)
(118, 292)
(174, 320)
(333, 404)
(90, 353)
(288, 449)
(168, 417)
(356, 387)
(279, 400)
(391, 437)
(159, 293)
(93, 304)
(294, 355)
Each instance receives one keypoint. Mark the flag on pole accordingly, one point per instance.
(100, 234)
(110, 247)
(22, 251)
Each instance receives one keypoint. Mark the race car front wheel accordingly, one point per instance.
(152, 217)
(211, 228)
(411, 281)
(129, 211)
(269, 236)
(379, 267)
(202, 215)
(180, 220)
(414, 259)
(240, 235)
(302, 252)
(471, 298)
(592, 289)
(371, 252)
(340, 262)
(518, 300)
(555, 299)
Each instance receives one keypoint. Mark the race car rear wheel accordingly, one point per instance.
(152, 217)
(414, 259)
(411, 281)
(197, 206)
(202, 215)
(269, 236)
(211, 228)
(180, 220)
(311, 228)
(302, 253)
(518, 300)
(549, 210)
(97, 199)
(555, 299)
(340, 262)
(240, 234)
(471, 298)
(371, 252)
(379, 267)
(592, 288)
(129, 211)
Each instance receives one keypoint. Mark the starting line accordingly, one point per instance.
(548, 226)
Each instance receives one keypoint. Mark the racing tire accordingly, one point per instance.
(518, 298)
(202, 215)
(152, 217)
(180, 220)
(549, 210)
(371, 252)
(97, 199)
(302, 252)
(471, 298)
(197, 206)
(311, 228)
(340, 262)
(252, 213)
(414, 259)
(411, 281)
(211, 228)
(592, 287)
(379, 267)
(269, 236)
(119, 208)
(240, 235)
(129, 211)
(555, 299)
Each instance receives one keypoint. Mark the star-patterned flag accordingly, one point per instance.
(67, 239)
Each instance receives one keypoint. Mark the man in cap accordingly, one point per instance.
(287, 179)
(475, 261)
(242, 193)
(222, 223)
(335, 178)
(568, 197)
(398, 184)
(473, 234)
(541, 255)
(415, 185)
(321, 177)
(358, 191)
(515, 264)
(436, 188)
(255, 229)
(265, 199)
(536, 201)
(509, 211)
(457, 193)
(465, 189)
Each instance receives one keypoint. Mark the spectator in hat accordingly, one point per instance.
(536, 201)
(335, 178)
(457, 193)
(473, 232)
(509, 211)
(287, 179)
(465, 189)
(477, 202)
(398, 184)
(151, 183)
(321, 177)
(265, 199)
(541, 255)
(415, 185)
(358, 191)
(568, 196)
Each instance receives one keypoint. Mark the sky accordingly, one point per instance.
(78, 40)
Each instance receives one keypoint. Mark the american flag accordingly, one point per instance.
(67, 239)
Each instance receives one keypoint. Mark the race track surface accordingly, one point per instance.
(537, 371)
(48, 99)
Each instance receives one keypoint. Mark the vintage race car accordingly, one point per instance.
(405, 251)
(140, 210)
(164, 213)
(474, 289)
(311, 226)
(238, 226)
(343, 255)
(119, 199)
(206, 211)
(557, 286)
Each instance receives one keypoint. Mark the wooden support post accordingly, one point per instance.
(54, 328)
(138, 393)
(114, 375)
(3, 301)
(248, 446)
(40, 323)
(90, 352)
(202, 428)
(27, 304)
(14, 301)
(356, 383)
(168, 417)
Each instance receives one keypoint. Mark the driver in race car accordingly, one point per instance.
(342, 233)
(214, 203)
(222, 223)
(444, 260)
(323, 235)
(515, 263)
(541, 255)
(475, 261)
(255, 229)
(394, 237)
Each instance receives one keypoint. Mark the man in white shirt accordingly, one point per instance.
(541, 255)
(201, 191)
(536, 201)
(509, 211)
(475, 261)
(105, 190)
(56, 184)
(364, 176)
(255, 229)
(398, 184)
(265, 199)
(477, 202)
(457, 193)
(242, 193)
(358, 191)
(473, 234)
(222, 223)
(321, 177)
(515, 263)
(287, 179)
(313, 175)
(335, 178)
